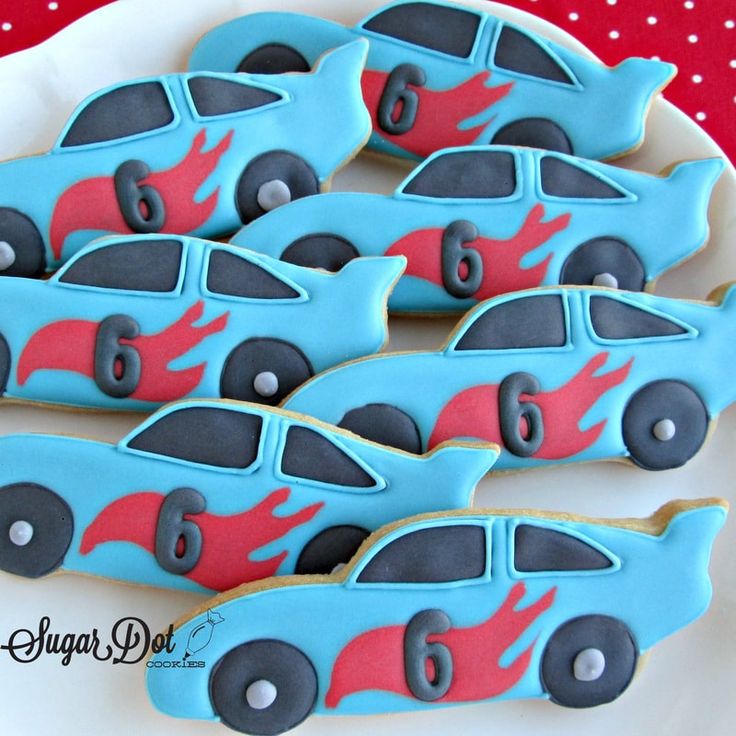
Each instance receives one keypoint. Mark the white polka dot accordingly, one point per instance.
(732, 63)
(611, 2)
(700, 116)
(53, 6)
(651, 20)
(614, 35)
(6, 26)
(692, 38)
(656, 58)
(574, 16)
(689, 5)
(697, 78)
(730, 24)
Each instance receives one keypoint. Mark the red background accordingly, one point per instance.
(697, 35)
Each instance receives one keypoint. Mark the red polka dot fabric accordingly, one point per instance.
(25, 23)
(697, 35)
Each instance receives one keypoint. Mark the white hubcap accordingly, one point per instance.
(260, 694)
(20, 533)
(606, 279)
(272, 194)
(589, 665)
(266, 384)
(7, 255)
(664, 430)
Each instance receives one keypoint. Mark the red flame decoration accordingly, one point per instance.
(91, 204)
(69, 345)
(502, 271)
(227, 541)
(439, 112)
(375, 660)
(474, 412)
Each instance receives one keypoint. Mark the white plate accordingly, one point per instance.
(689, 682)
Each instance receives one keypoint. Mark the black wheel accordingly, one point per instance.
(385, 424)
(263, 687)
(588, 661)
(36, 528)
(330, 548)
(264, 370)
(4, 364)
(321, 250)
(22, 252)
(273, 58)
(271, 180)
(535, 133)
(604, 262)
(664, 425)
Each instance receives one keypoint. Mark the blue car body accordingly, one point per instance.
(134, 322)
(246, 488)
(625, 226)
(180, 153)
(468, 77)
(650, 577)
(553, 375)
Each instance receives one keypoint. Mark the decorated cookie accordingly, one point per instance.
(184, 153)
(205, 495)
(446, 609)
(552, 375)
(443, 74)
(131, 323)
(476, 222)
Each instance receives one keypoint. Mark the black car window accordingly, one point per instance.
(466, 175)
(151, 266)
(233, 275)
(540, 549)
(518, 52)
(563, 179)
(413, 558)
(121, 112)
(527, 322)
(310, 455)
(207, 435)
(616, 320)
(450, 30)
(215, 96)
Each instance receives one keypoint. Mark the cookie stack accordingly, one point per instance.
(294, 447)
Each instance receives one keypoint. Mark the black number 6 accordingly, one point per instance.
(142, 207)
(117, 367)
(454, 252)
(417, 650)
(172, 527)
(397, 92)
(511, 411)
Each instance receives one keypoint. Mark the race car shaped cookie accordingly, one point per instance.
(134, 322)
(442, 610)
(195, 154)
(553, 375)
(480, 221)
(443, 74)
(205, 495)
